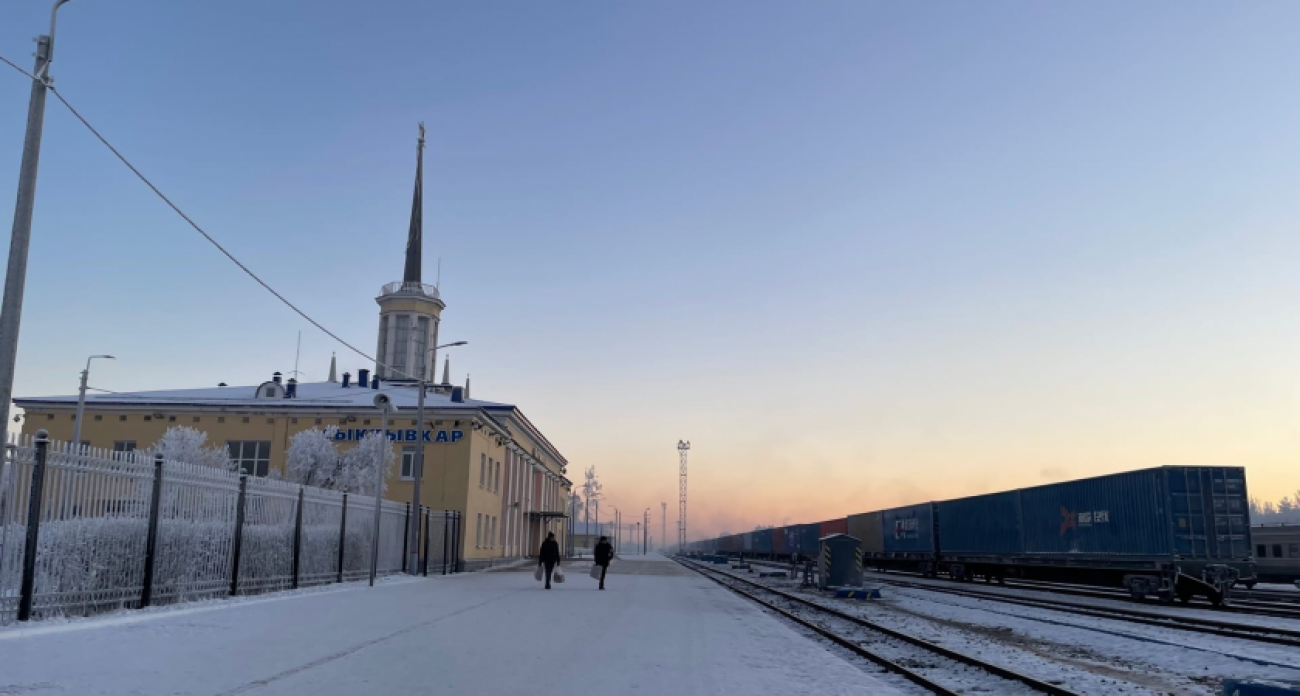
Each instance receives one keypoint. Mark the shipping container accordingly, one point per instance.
(981, 524)
(1188, 512)
(747, 541)
(809, 534)
(829, 527)
(909, 530)
(762, 541)
(866, 527)
(779, 540)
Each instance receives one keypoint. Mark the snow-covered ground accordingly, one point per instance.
(657, 629)
(1089, 655)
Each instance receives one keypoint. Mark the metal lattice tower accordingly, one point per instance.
(682, 448)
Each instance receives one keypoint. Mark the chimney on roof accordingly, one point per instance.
(374, 383)
(333, 372)
(363, 378)
(446, 370)
(466, 385)
(275, 377)
(458, 395)
(347, 379)
(291, 389)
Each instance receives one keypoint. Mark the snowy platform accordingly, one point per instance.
(658, 628)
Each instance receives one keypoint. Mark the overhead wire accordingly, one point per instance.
(249, 272)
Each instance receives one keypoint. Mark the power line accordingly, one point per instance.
(196, 226)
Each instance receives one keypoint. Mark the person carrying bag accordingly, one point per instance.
(548, 556)
(604, 553)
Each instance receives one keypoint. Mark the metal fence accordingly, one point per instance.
(122, 530)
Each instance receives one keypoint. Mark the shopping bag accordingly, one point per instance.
(558, 575)
(537, 574)
(595, 572)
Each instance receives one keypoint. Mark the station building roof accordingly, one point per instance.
(309, 397)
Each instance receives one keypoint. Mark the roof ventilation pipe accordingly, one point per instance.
(347, 379)
(291, 389)
(458, 395)
(276, 377)
(363, 378)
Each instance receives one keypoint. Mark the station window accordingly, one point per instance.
(121, 418)
(245, 419)
(196, 419)
(124, 446)
(318, 421)
(171, 419)
(482, 469)
(99, 418)
(253, 457)
(50, 416)
(221, 419)
(498, 486)
(478, 530)
(1277, 550)
(1293, 550)
(408, 463)
(148, 418)
(1261, 551)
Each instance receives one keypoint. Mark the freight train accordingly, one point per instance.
(1172, 532)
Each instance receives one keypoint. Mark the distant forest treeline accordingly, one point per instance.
(1267, 512)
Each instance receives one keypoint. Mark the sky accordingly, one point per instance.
(859, 254)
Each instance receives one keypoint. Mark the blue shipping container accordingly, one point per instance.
(1191, 512)
(809, 539)
(763, 541)
(909, 529)
(984, 524)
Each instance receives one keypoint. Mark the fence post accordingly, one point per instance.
(343, 534)
(446, 532)
(406, 537)
(456, 542)
(151, 543)
(297, 539)
(36, 495)
(424, 565)
(238, 551)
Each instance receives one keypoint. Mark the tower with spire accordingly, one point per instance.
(409, 310)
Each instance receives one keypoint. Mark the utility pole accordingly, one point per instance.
(682, 448)
(81, 402)
(11, 307)
(663, 534)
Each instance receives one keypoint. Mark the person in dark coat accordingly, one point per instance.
(604, 552)
(549, 556)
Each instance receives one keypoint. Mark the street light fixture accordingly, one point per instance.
(417, 473)
(81, 400)
(11, 307)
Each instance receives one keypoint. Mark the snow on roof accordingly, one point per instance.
(311, 395)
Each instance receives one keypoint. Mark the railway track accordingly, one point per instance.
(1259, 634)
(1227, 629)
(1244, 601)
(930, 666)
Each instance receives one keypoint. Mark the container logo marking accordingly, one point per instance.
(1084, 518)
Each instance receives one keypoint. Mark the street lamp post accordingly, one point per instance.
(11, 307)
(81, 401)
(413, 531)
(645, 531)
(384, 405)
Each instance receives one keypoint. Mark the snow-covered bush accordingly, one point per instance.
(182, 443)
(312, 459)
(361, 465)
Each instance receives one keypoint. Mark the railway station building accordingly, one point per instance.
(484, 459)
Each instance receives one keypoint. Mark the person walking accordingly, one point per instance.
(549, 556)
(604, 552)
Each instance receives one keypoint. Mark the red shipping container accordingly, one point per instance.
(829, 527)
(778, 540)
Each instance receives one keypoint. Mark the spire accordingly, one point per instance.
(446, 370)
(466, 385)
(334, 373)
(415, 237)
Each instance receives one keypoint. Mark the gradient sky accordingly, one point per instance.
(859, 253)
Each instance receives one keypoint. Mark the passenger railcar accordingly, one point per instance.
(1277, 553)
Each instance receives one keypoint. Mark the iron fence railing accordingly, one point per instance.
(85, 530)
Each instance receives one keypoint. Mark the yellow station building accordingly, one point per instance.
(484, 459)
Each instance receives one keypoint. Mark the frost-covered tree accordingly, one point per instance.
(312, 459)
(591, 491)
(359, 467)
(189, 445)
